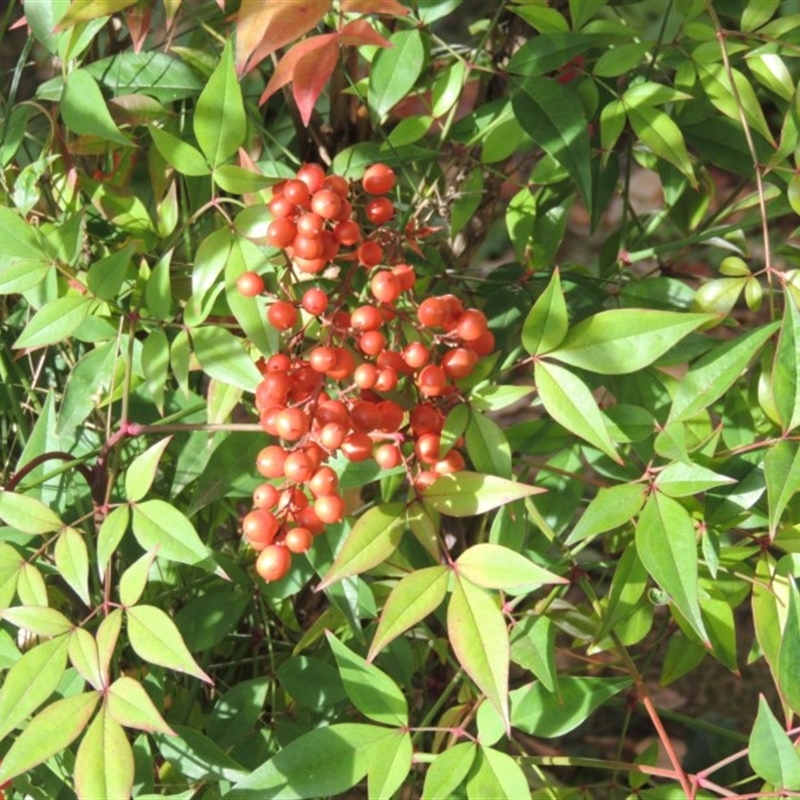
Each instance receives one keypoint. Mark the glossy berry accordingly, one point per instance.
(298, 540)
(326, 203)
(282, 315)
(292, 424)
(250, 284)
(370, 254)
(323, 482)
(312, 175)
(329, 508)
(378, 179)
(265, 496)
(388, 456)
(433, 312)
(379, 210)
(273, 562)
(281, 232)
(314, 301)
(385, 286)
(269, 461)
(297, 192)
(259, 528)
(298, 467)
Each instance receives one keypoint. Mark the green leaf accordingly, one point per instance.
(684, 480)
(17, 238)
(142, 470)
(389, 766)
(31, 681)
(155, 365)
(496, 775)
(465, 494)
(209, 261)
(533, 646)
(158, 291)
(625, 340)
(655, 128)
(546, 325)
(158, 524)
(786, 367)
(789, 653)
(150, 72)
(106, 275)
(719, 296)
(19, 276)
(620, 59)
(539, 712)
(237, 711)
(133, 581)
(111, 532)
(129, 705)
(395, 70)
(323, 762)
(54, 322)
(155, 638)
(782, 475)
(238, 180)
(477, 632)
(85, 658)
(771, 752)
(495, 398)
(715, 372)
(180, 155)
(487, 446)
(666, 542)
(550, 50)
(104, 763)
(493, 566)
(455, 423)
(370, 689)
(220, 124)
(106, 637)
(72, 560)
(27, 514)
(51, 731)
(757, 13)
(373, 538)
(84, 109)
(569, 401)
(609, 509)
(416, 596)
(552, 115)
(195, 756)
(223, 357)
(720, 91)
(448, 771)
(41, 620)
(627, 587)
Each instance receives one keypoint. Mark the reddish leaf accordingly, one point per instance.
(284, 72)
(360, 32)
(311, 74)
(392, 7)
(261, 28)
(138, 20)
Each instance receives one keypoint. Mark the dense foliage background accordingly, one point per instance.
(569, 613)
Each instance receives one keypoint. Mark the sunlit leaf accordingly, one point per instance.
(465, 494)
(478, 635)
(771, 752)
(155, 638)
(493, 566)
(48, 733)
(666, 542)
(104, 763)
(418, 594)
(371, 541)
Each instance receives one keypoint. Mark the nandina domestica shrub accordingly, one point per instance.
(400, 398)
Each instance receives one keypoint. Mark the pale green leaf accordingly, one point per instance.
(104, 764)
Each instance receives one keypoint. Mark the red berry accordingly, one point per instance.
(315, 301)
(298, 540)
(250, 284)
(379, 210)
(269, 461)
(282, 315)
(378, 179)
(385, 286)
(312, 175)
(329, 508)
(273, 562)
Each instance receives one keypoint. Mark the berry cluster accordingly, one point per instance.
(367, 370)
